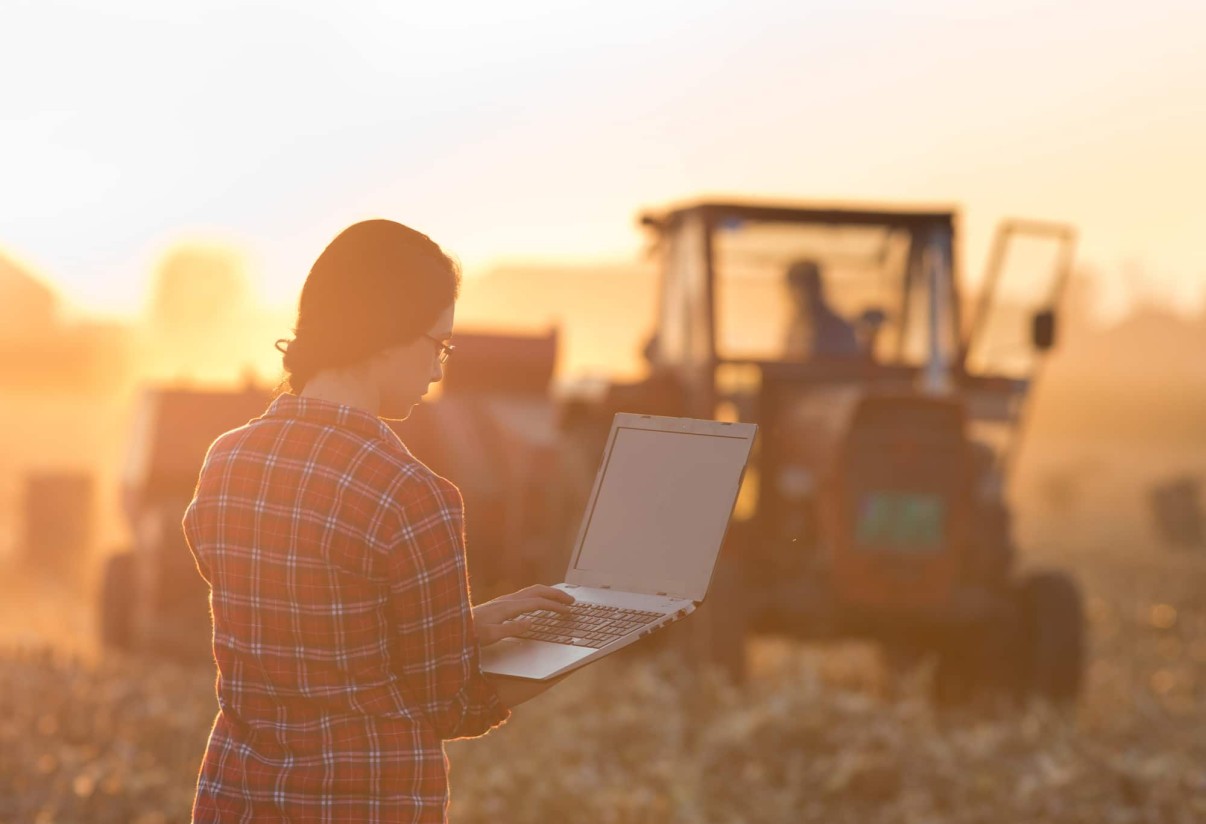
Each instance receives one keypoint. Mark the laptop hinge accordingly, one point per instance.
(669, 595)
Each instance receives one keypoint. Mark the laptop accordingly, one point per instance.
(657, 516)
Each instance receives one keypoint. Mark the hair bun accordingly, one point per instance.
(298, 357)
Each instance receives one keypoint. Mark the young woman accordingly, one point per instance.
(345, 641)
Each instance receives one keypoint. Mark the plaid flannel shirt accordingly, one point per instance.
(342, 630)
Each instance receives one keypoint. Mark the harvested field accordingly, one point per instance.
(811, 738)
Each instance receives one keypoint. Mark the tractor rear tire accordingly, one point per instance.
(980, 662)
(116, 603)
(724, 618)
(714, 636)
(954, 682)
(1053, 637)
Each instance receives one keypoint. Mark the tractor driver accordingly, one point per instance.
(816, 331)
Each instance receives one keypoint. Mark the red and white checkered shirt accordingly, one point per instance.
(343, 635)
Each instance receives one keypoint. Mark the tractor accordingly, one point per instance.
(890, 410)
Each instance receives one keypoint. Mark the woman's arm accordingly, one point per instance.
(501, 618)
(514, 691)
(439, 631)
(436, 647)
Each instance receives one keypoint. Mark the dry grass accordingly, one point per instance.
(811, 740)
(641, 740)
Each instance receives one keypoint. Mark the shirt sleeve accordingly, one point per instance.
(437, 642)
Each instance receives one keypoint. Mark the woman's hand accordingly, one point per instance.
(495, 619)
(515, 691)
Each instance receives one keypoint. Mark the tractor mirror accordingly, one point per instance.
(1042, 330)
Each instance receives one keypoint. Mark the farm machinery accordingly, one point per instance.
(890, 410)
(151, 598)
(875, 505)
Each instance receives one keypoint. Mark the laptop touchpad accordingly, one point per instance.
(529, 659)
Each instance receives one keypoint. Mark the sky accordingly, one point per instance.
(534, 130)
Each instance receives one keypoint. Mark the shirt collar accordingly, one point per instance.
(330, 413)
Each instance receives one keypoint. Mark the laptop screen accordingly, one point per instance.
(662, 507)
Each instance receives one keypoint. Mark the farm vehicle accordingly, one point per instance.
(890, 412)
(151, 598)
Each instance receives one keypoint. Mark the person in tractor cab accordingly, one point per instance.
(816, 330)
(346, 644)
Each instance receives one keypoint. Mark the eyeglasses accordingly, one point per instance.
(446, 349)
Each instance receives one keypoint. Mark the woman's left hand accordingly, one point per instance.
(495, 619)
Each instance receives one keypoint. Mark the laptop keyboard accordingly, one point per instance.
(587, 625)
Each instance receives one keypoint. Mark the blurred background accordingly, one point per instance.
(170, 173)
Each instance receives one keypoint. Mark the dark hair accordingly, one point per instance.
(376, 285)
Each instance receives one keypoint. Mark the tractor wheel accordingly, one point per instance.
(980, 664)
(954, 681)
(724, 619)
(898, 664)
(715, 634)
(116, 606)
(1053, 637)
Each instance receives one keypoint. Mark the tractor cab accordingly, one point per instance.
(792, 315)
(889, 402)
(845, 295)
(831, 296)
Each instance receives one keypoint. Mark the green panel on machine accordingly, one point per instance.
(901, 521)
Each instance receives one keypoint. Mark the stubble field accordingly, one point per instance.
(816, 735)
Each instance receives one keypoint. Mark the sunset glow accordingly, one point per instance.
(876, 322)
(535, 131)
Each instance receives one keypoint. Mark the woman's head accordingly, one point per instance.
(377, 289)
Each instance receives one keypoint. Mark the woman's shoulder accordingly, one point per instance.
(380, 471)
(417, 486)
(229, 443)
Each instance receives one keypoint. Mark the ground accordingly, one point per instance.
(812, 737)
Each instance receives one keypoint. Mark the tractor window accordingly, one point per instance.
(1025, 275)
(684, 335)
(788, 291)
(683, 328)
(929, 270)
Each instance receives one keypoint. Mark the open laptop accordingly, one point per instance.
(657, 516)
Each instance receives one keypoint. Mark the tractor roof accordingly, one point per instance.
(803, 212)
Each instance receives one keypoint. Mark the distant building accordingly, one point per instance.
(41, 353)
(27, 306)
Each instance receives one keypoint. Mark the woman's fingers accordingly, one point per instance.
(500, 619)
(497, 624)
(504, 610)
(539, 591)
(490, 633)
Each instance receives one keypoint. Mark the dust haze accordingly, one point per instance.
(1118, 406)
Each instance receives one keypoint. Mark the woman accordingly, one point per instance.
(346, 645)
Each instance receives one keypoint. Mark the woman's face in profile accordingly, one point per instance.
(405, 372)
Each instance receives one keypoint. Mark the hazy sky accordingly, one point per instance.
(535, 130)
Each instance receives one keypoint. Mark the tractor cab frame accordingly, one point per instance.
(890, 406)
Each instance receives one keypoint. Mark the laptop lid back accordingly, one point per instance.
(661, 504)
